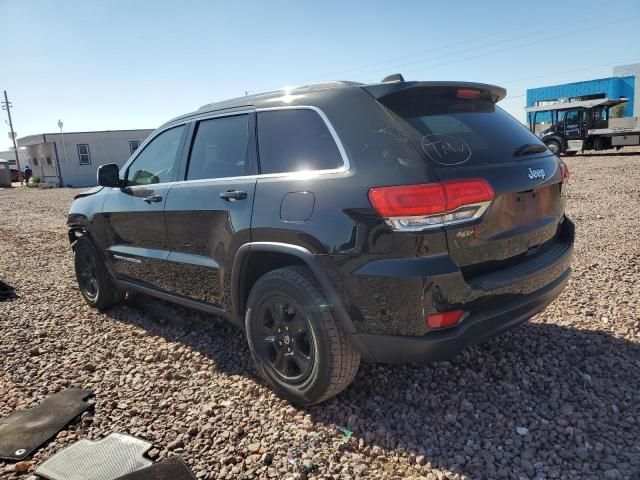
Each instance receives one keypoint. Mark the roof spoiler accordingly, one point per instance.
(382, 90)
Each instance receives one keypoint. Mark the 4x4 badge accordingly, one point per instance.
(536, 173)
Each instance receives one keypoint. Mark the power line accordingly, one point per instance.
(390, 62)
(609, 65)
(477, 47)
(509, 97)
(511, 47)
(520, 95)
(395, 60)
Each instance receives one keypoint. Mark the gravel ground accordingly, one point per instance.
(558, 397)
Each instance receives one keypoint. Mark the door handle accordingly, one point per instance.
(231, 195)
(153, 199)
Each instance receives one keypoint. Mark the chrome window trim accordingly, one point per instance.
(290, 175)
(346, 165)
(210, 115)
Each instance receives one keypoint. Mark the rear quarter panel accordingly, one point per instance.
(343, 231)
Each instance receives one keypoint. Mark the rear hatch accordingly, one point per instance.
(462, 134)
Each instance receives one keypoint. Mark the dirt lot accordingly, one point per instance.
(558, 397)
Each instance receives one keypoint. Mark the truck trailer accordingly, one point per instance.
(584, 125)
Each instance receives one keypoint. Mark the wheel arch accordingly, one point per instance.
(78, 226)
(254, 259)
(75, 232)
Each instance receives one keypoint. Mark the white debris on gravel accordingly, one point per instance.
(185, 381)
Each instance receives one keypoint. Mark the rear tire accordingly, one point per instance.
(94, 280)
(554, 146)
(296, 343)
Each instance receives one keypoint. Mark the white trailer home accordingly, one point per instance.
(72, 159)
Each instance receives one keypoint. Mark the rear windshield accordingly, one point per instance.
(452, 131)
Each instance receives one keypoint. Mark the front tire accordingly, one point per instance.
(554, 146)
(296, 343)
(94, 280)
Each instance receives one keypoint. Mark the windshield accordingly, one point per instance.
(452, 131)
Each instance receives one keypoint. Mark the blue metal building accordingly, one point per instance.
(625, 84)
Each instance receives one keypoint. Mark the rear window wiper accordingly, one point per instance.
(529, 149)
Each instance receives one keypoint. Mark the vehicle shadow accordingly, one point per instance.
(539, 399)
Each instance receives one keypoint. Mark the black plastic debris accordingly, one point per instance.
(25, 430)
(111, 457)
(7, 292)
(172, 468)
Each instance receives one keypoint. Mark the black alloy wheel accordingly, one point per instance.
(296, 343)
(94, 281)
(287, 345)
(87, 274)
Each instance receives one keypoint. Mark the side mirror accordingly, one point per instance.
(109, 175)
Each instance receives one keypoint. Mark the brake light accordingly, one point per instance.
(417, 207)
(466, 192)
(404, 201)
(444, 319)
(564, 171)
(468, 93)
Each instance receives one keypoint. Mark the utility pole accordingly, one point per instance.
(64, 148)
(6, 105)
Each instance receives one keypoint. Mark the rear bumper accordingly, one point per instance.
(443, 345)
(384, 295)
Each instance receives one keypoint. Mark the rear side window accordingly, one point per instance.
(220, 148)
(295, 140)
(455, 131)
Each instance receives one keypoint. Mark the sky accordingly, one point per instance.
(108, 65)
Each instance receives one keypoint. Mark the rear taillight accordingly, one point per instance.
(408, 200)
(564, 171)
(432, 205)
(444, 319)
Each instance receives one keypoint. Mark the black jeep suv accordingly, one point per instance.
(394, 222)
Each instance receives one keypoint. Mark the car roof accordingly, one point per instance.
(284, 96)
(266, 98)
(260, 97)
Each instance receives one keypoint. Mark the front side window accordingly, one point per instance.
(133, 146)
(220, 148)
(295, 140)
(157, 162)
(83, 154)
